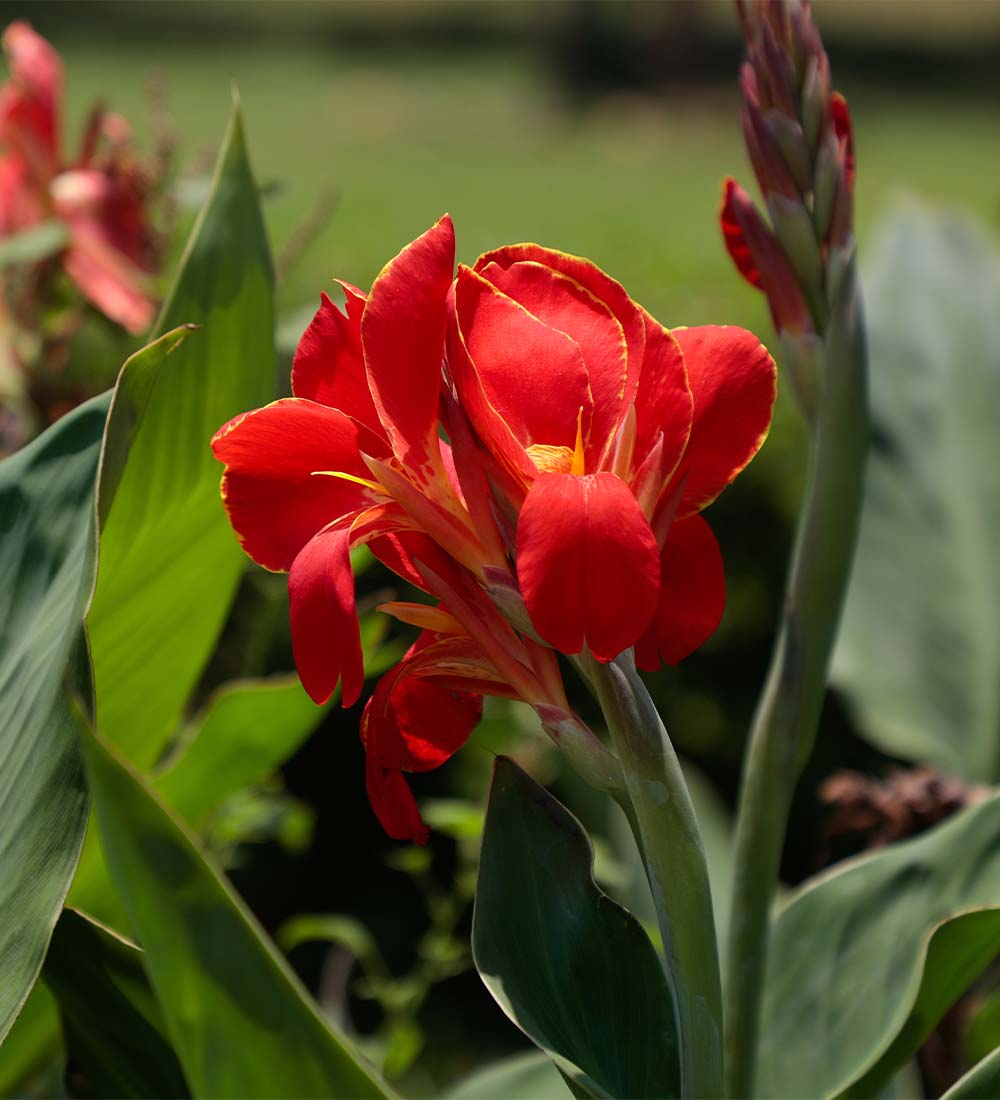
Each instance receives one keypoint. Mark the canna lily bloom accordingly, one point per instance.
(583, 440)
(615, 433)
(99, 196)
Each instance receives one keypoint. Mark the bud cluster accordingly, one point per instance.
(799, 138)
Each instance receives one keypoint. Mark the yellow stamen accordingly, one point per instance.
(577, 466)
(373, 485)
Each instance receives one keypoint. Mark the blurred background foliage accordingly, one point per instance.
(601, 127)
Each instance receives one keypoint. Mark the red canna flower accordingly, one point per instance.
(99, 196)
(584, 438)
(614, 432)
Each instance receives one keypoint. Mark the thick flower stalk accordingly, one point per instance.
(799, 137)
(99, 193)
(532, 450)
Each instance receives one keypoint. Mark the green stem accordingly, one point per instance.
(658, 807)
(784, 727)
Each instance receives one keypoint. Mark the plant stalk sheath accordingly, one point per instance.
(788, 712)
(659, 809)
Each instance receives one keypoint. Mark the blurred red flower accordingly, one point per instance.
(99, 195)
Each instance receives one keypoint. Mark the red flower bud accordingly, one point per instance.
(760, 259)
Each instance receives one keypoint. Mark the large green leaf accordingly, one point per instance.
(113, 1027)
(919, 652)
(239, 1020)
(572, 968)
(521, 1077)
(246, 731)
(46, 562)
(982, 1082)
(169, 563)
(865, 960)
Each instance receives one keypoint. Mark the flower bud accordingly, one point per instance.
(815, 102)
(794, 229)
(827, 181)
(781, 75)
(761, 261)
(765, 156)
(791, 141)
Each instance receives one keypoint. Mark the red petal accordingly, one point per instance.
(393, 802)
(21, 202)
(107, 279)
(565, 304)
(602, 286)
(664, 402)
(326, 638)
(732, 234)
(759, 258)
(588, 563)
(29, 103)
(275, 499)
(402, 332)
(732, 379)
(844, 130)
(414, 724)
(496, 434)
(692, 595)
(329, 368)
(400, 550)
(411, 724)
(532, 376)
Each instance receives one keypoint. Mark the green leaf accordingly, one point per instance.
(169, 563)
(866, 959)
(521, 1077)
(919, 648)
(46, 561)
(32, 1050)
(114, 1031)
(982, 1082)
(572, 968)
(32, 245)
(237, 1016)
(248, 728)
(959, 951)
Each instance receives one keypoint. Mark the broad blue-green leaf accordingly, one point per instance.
(865, 960)
(919, 652)
(169, 563)
(521, 1077)
(46, 562)
(982, 1082)
(239, 1020)
(115, 1038)
(572, 968)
